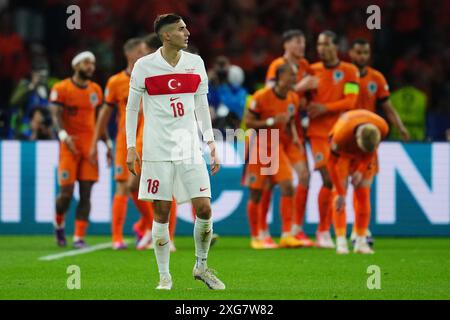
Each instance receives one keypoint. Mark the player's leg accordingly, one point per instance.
(172, 225)
(63, 200)
(253, 215)
(161, 241)
(287, 204)
(143, 227)
(263, 209)
(82, 213)
(67, 173)
(119, 211)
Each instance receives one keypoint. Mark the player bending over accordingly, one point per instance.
(173, 85)
(354, 140)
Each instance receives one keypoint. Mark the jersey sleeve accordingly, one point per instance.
(203, 86)
(383, 88)
(110, 93)
(57, 94)
(255, 105)
(271, 71)
(137, 79)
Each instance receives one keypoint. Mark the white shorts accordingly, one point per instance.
(182, 180)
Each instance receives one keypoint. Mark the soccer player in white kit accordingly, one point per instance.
(173, 85)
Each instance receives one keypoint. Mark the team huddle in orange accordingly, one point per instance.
(340, 100)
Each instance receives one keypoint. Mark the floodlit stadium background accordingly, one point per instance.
(411, 195)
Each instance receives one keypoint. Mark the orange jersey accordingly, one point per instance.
(373, 88)
(337, 90)
(79, 107)
(266, 104)
(302, 65)
(343, 134)
(116, 95)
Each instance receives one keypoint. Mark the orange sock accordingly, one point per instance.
(287, 210)
(252, 213)
(300, 204)
(362, 210)
(145, 208)
(264, 210)
(324, 209)
(119, 212)
(339, 218)
(80, 228)
(173, 219)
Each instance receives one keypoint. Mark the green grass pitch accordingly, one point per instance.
(411, 268)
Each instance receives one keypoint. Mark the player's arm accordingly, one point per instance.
(131, 117)
(394, 118)
(56, 110)
(204, 123)
(104, 114)
(253, 121)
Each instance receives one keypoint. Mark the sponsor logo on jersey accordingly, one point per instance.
(338, 75)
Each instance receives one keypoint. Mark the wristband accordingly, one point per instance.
(62, 135)
(270, 121)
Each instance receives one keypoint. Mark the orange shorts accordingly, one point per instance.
(348, 166)
(77, 167)
(278, 170)
(321, 151)
(294, 153)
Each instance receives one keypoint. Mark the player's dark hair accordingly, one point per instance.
(132, 43)
(332, 35)
(359, 41)
(164, 20)
(282, 69)
(152, 41)
(293, 33)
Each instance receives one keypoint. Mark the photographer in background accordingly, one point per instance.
(28, 95)
(40, 124)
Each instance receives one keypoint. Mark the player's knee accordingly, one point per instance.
(203, 211)
(122, 188)
(287, 189)
(255, 195)
(303, 179)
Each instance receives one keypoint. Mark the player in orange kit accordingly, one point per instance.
(294, 52)
(337, 91)
(116, 95)
(354, 140)
(273, 109)
(373, 94)
(74, 102)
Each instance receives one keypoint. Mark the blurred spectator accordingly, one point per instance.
(29, 94)
(232, 97)
(40, 124)
(217, 75)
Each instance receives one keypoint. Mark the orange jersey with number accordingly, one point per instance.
(343, 134)
(116, 95)
(79, 108)
(330, 90)
(373, 88)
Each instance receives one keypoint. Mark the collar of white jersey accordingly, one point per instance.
(167, 62)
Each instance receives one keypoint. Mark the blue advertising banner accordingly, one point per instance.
(410, 196)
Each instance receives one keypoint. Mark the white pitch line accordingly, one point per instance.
(76, 252)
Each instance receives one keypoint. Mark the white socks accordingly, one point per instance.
(202, 237)
(161, 244)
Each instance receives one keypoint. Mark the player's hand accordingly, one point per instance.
(92, 157)
(339, 203)
(71, 145)
(307, 83)
(404, 133)
(282, 118)
(132, 158)
(357, 178)
(215, 162)
(315, 110)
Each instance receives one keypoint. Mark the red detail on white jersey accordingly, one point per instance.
(176, 83)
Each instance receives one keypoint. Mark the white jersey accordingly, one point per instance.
(170, 127)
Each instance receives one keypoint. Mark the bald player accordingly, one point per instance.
(354, 140)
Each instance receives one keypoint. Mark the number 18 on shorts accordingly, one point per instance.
(183, 180)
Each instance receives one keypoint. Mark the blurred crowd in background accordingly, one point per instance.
(237, 39)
